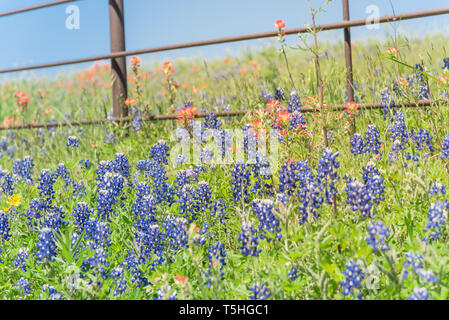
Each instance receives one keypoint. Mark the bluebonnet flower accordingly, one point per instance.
(268, 222)
(422, 137)
(211, 121)
(137, 118)
(327, 172)
(162, 191)
(282, 198)
(264, 94)
(419, 294)
(98, 263)
(55, 219)
(203, 196)
(223, 139)
(294, 102)
(4, 143)
(354, 277)
(188, 205)
(437, 188)
(240, 182)
(132, 263)
(418, 76)
(120, 282)
(159, 152)
(249, 238)
(259, 292)
(63, 172)
(166, 292)
(216, 255)
(97, 232)
(46, 245)
(436, 221)
(357, 144)
(145, 203)
(218, 212)
(72, 141)
(362, 196)
(21, 259)
(35, 211)
(50, 293)
(181, 159)
(85, 164)
(378, 234)
(279, 94)
(445, 148)
(109, 190)
(24, 169)
(121, 165)
(370, 144)
(414, 260)
(250, 142)
(445, 64)
(288, 178)
(427, 276)
(150, 240)
(423, 93)
(46, 183)
(293, 274)
(7, 185)
(206, 156)
(24, 286)
(11, 151)
(175, 233)
(4, 226)
(398, 131)
(309, 191)
(110, 138)
(262, 175)
(388, 102)
(82, 213)
(79, 189)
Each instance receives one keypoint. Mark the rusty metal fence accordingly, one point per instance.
(118, 56)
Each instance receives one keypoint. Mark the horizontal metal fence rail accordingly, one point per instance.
(32, 8)
(323, 27)
(306, 109)
(117, 37)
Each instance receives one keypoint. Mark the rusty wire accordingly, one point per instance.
(305, 109)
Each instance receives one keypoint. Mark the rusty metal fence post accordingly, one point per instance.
(118, 65)
(348, 59)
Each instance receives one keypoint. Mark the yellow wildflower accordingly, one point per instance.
(14, 200)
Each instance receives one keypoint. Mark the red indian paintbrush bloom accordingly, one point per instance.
(129, 102)
(22, 99)
(282, 118)
(351, 108)
(181, 279)
(135, 61)
(392, 51)
(443, 80)
(185, 115)
(168, 68)
(272, 106)
(48, 111)
(279, 24)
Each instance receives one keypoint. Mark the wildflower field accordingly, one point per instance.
(342, 204)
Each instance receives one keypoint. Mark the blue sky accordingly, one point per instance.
(41, 36)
